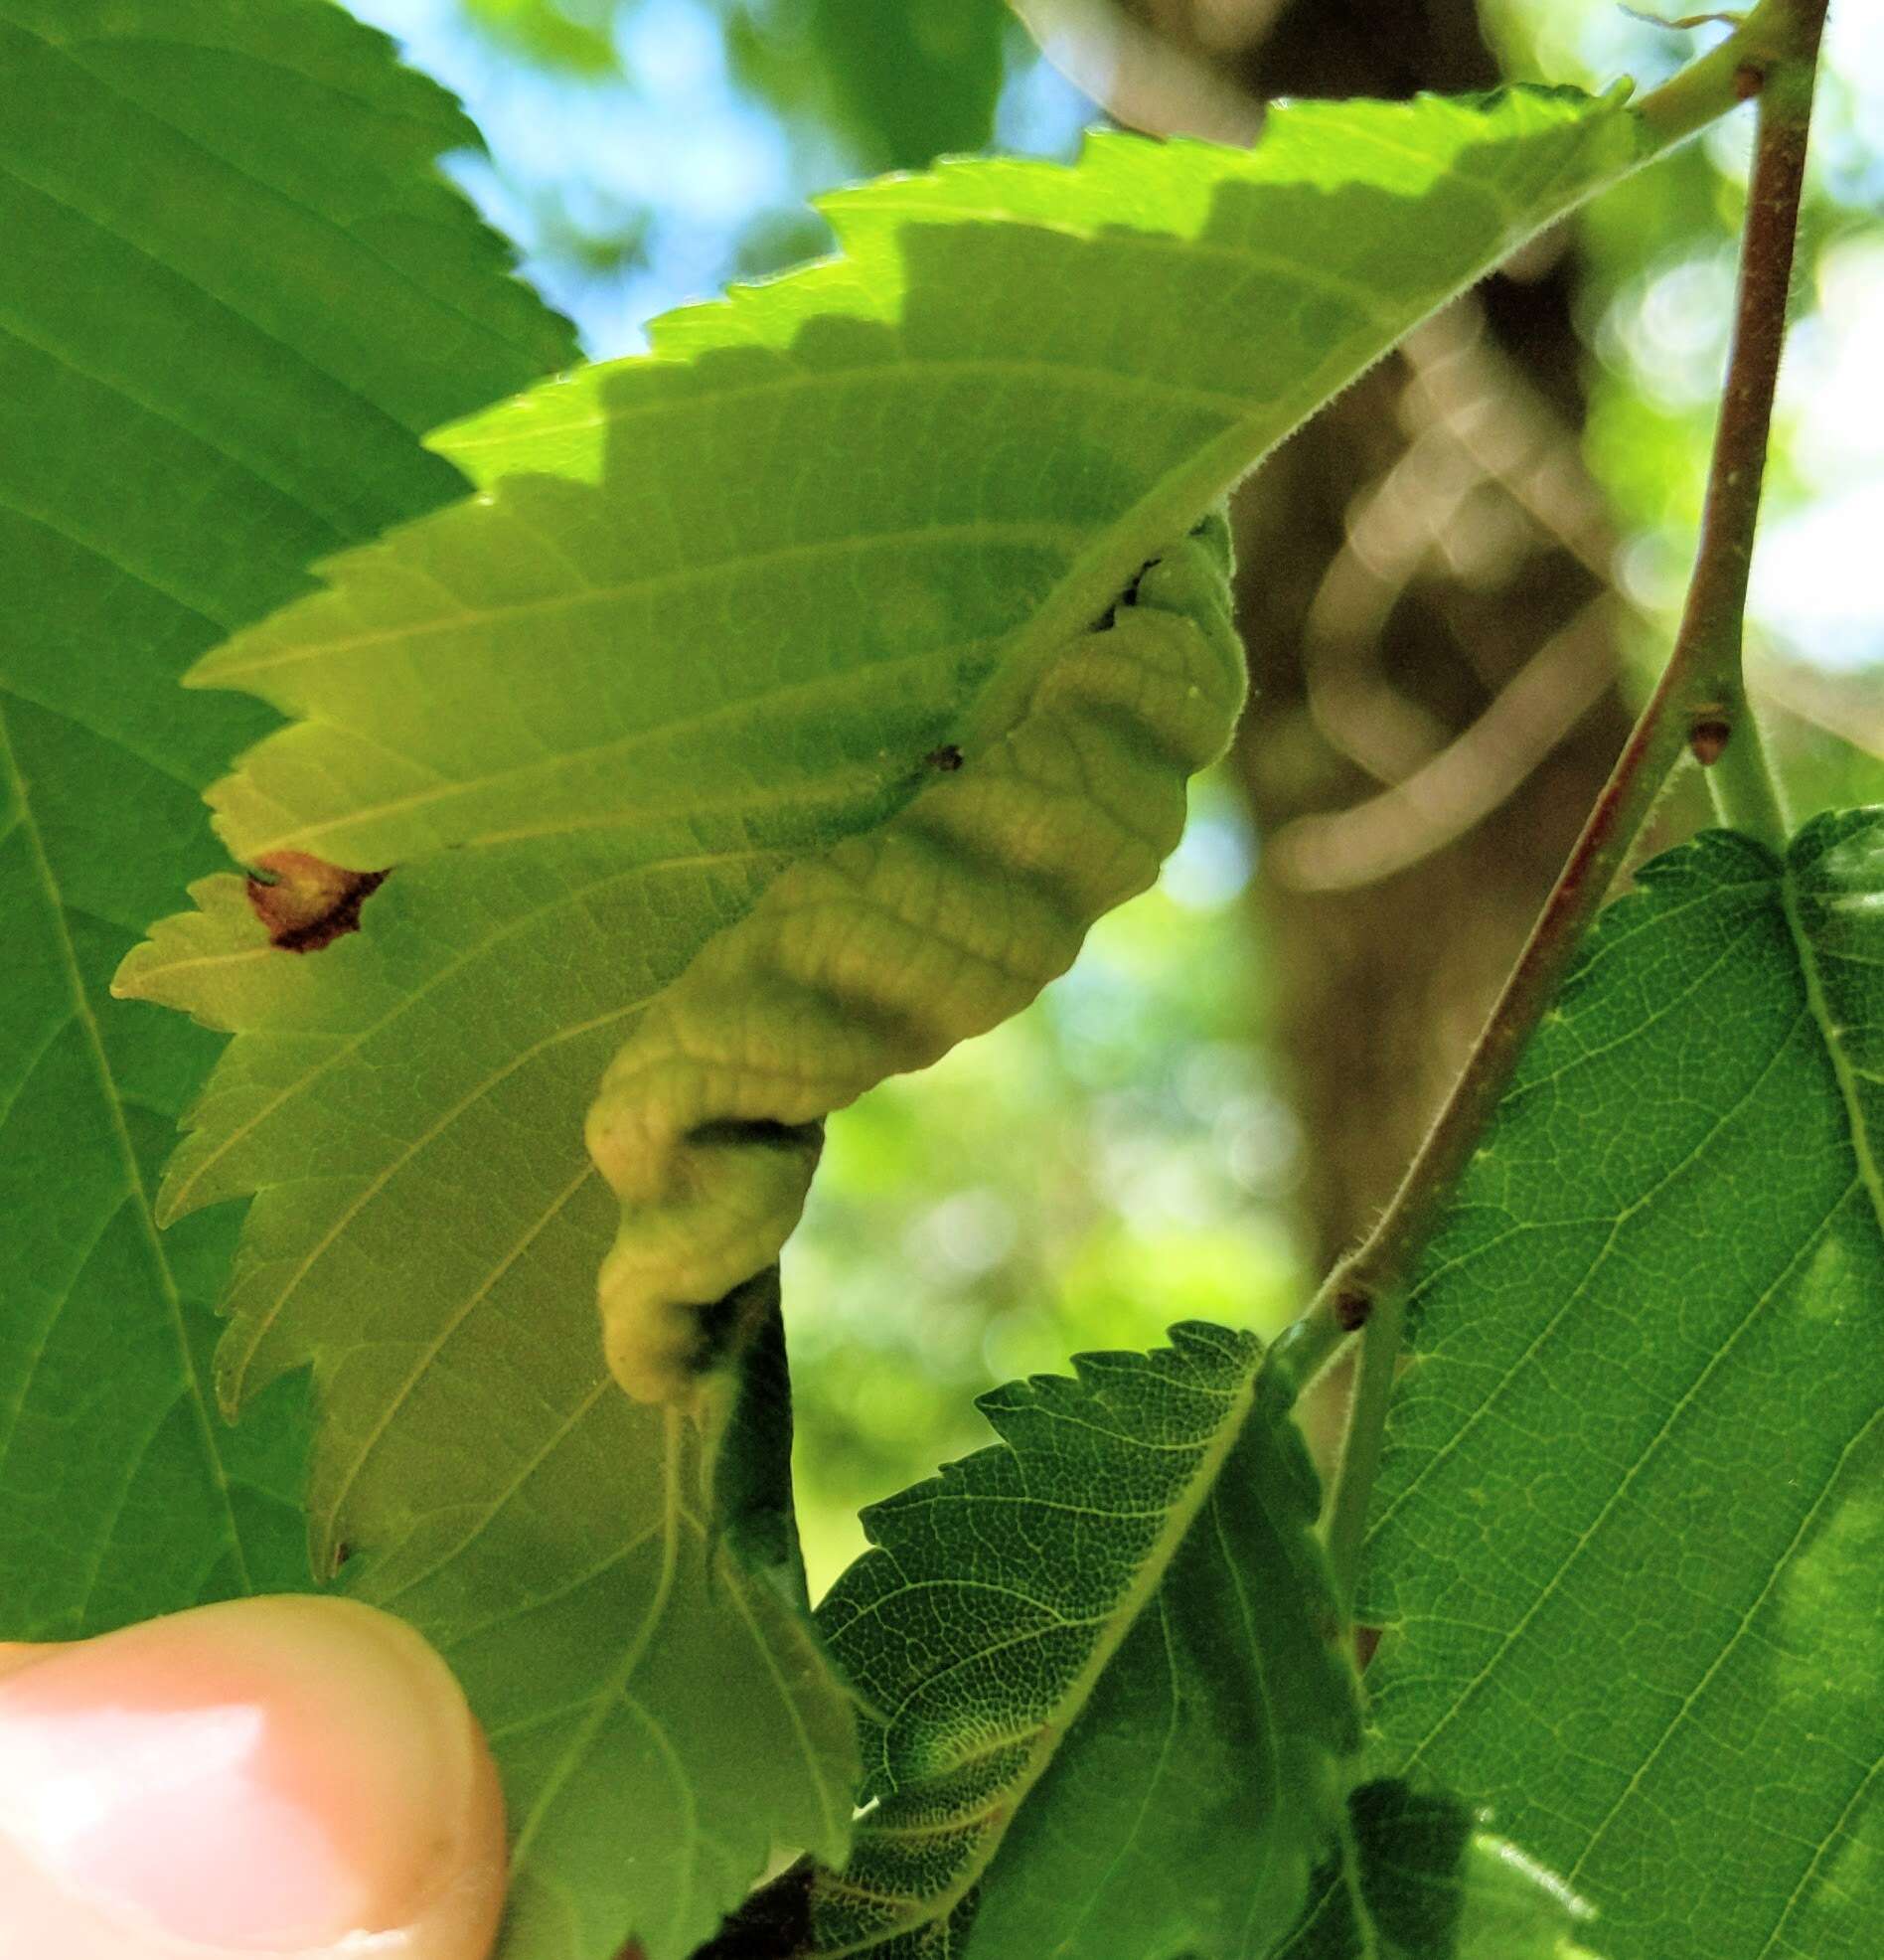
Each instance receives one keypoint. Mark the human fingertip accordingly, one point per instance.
(263, 1779)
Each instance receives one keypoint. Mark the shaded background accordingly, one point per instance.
(1454, 587)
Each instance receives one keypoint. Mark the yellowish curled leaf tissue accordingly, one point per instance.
(883, 955)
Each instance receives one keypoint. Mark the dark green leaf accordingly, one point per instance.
(1113, 1706)
(899, 85)
(238, 291)
(915, 82)
(1629, 1538)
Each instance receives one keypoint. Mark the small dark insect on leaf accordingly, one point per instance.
(305, 903)
(947, 758)
(1351, 1311)
(342, 1553)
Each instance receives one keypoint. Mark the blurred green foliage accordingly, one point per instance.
(1111, 1161)
(1656, 294)
(576, 35)
(899, 85)
(896, 85)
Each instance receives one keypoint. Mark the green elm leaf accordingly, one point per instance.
(693, 581)
(236, 291)
(653, 1697)
(1416, 1877)
(1112, 1710)
(1629, 1539)
(711, 614)
(883, 955)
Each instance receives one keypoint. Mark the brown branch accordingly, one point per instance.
(1701, 688)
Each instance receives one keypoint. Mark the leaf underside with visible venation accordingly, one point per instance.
(711, 615)
(1111, 1706)
(1629, 1541)
(202, 202)
(296, 295)
(886, 952)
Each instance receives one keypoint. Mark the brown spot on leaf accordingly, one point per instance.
(305, 903)
(947, 758)
(1367, 1640)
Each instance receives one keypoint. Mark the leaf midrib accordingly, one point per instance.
(1116, 1625)
(614, 1686)
(134, 1192)
(1870, 1173)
